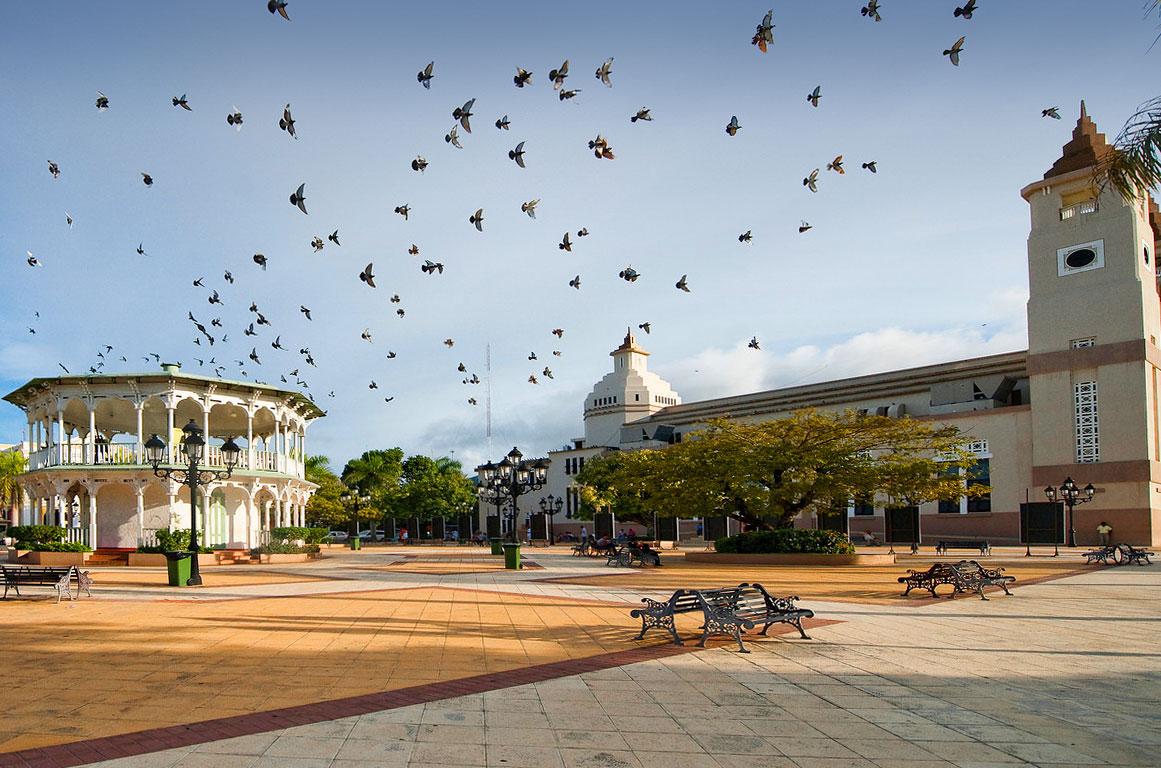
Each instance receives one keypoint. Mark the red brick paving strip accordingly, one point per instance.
(173, 736)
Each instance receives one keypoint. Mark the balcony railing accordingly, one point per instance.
(1086, 206)
(125, 454)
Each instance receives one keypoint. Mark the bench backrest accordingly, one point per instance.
(48, 574)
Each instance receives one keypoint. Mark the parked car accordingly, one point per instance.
(333, 536)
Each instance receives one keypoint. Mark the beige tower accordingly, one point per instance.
(1094, 320)
(628, 393)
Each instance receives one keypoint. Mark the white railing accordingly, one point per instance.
(125, 454)
(1087, 206)
(77, 536)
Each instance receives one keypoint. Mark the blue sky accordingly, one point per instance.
(924, 261)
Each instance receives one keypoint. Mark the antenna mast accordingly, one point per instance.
(488, 398)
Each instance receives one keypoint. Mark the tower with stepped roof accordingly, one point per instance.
(630, 392)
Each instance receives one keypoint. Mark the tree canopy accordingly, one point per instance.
(325, 507)
(433, 488)
(12, 465)
(765, 474)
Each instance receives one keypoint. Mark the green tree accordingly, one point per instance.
(325, 507)
(12, 466)
(433, 488)
(765, 474)
(1134, 167)
(376, 474)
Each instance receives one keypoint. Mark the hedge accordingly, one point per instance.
(44, 538)
(290, 533)
(823, 542)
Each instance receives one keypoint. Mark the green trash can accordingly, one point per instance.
(178, 566)
(511, 556)
(356, 543)
(497, 546)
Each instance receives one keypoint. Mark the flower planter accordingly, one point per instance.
(305, 557)
(47, 558)
(157, 560)
(788, 558)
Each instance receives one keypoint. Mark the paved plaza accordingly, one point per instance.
(375, 659)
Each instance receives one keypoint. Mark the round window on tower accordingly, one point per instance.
(1080, 258)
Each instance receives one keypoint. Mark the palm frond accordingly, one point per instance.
(1135, 164)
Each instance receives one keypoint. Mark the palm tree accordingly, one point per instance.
(317, 466)
(1136, 163)
(12, 465)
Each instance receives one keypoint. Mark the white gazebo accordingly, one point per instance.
(87, 470)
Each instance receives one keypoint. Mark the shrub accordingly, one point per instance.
(172, 541)
(290, 533)
(286, 548)
(783, 540)
(27, 536)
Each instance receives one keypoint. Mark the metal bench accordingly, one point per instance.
(1130, 554)
(59, 578)
(1102, 555)
(728, 611)
(633, 554)
(938, 573)
(970, 576)
(980, 545)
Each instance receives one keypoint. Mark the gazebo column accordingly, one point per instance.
(140, 513)
(266, 515)
(92, 518)
(92, 458)
(60, 436)
(137, 451)
(169, 430)
(250, 439)
(250, 520)
(206, 431)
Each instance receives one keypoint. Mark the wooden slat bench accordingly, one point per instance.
(980, 545)
(59, 578)
(725, 611)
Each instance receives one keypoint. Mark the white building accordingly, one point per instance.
(86, 466)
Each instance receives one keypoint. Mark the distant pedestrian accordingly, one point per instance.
(1104, 530)
(403, 535)
(584, 534)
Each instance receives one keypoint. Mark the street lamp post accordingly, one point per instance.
(192, 446)
(357, 501)
(551, 506)
(1071, 495)
(513, 477)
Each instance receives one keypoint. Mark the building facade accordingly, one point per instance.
(1082, 401)
(87, 470)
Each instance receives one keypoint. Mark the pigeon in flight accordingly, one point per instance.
(811, 181)
(228, 276)
(642, 114)
(69, 219)
(254, 355)
(477, 219)
(372, 385)
(523, 77)
(558, 333)
(298, 197)
(746, 237)
(836, 165)
(424, 77)
(430, 267)
(388, 399)
(681, 284)
(764, 32)
(517, 154)
(532, 379)
(472, 401)
(966, 10)
(180, 101)
(502, 124)
(316, 243)
(32, 260)
(66, 370)
(600, 147)
(279, 7)
(366, 335)
(629, 275)
(565, 244)
(403, 210)
(401, 312)
(1050, 112)
(234, 118)
(547, 372)
(530, 207)
(419, 164)
(214, 298)
(871, 10)
(449, 343)
(334, 237)
(453, 137)
(531, 355)
(805, 226)
(102, 101)
(464, 113)
(395, 299)
(141, 249)
(277, 343)
(568, 93)
(260, 260)
(391, 355)
(733, 127)
(146, 179)
(367, 276)
(753, 343)
(582, 232)
(304, 310)
(198, 283)
(953, 52)
(575, 282)
(871, 166)
(54, 169)
(604, 71)
(647, 327)
(286, 123)
(413, 250)
(814, 96)
(557, 76)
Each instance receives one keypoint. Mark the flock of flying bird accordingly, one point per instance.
(211, 334)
